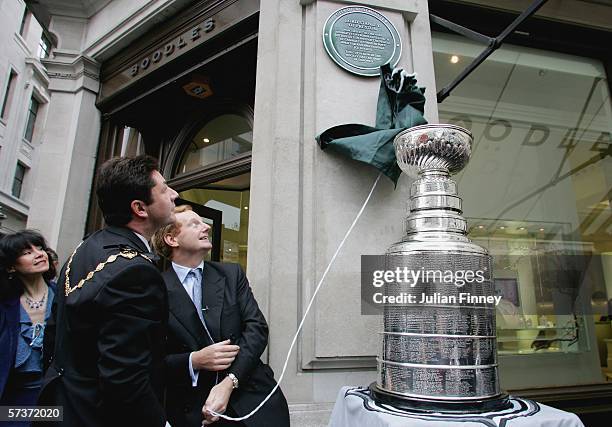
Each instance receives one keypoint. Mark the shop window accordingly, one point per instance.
(537, 194)
(20, 172)
(8, 95)
(31, 121)
(223, 138)
(218, 155)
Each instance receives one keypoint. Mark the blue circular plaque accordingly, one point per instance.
(360, 40)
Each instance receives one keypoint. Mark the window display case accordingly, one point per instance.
(546, 288)
(541, 339)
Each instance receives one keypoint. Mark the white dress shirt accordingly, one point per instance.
(181, 273)
(141, 237)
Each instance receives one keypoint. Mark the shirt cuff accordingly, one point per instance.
(194, 374)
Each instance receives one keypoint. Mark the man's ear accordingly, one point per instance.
(170, 240)
(138, 209)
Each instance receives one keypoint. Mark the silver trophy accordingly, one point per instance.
(441, 354)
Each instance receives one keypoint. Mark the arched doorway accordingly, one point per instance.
(209, 165)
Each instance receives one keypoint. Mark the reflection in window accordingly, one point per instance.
(231, 197)
(222, 138)
(537, 189)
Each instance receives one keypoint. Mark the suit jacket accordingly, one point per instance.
(9, 335)
(9, 331)
(110, 333)
(232, 313)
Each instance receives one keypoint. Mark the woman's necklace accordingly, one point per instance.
(36, 305)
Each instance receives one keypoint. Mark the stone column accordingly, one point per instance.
(65, 159)
(304, 200)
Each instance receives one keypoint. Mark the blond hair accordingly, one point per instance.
(158, 239)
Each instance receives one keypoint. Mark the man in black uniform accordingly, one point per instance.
(216, 335)
(111, 313)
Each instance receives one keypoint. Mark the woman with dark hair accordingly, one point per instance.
(25, 307)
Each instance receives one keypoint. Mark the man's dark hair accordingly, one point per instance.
(122, 180)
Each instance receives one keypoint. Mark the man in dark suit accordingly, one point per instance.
(216, 335)
(111, 313)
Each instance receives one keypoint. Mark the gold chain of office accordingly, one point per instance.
(125, 253)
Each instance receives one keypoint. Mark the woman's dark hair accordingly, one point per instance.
(53, 258)
(11, 248)
(122, 180)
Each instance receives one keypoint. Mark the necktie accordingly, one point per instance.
(195, 276)
(196, 286)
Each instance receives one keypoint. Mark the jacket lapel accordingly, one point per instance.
(212, 298)
(183, 309)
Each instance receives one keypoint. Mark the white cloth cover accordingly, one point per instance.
(354, 407)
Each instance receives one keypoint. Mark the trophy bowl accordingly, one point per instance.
(435, 147)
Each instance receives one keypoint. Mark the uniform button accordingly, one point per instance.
(187, 408)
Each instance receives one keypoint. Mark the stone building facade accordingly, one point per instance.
(229, 95)
(25, 97)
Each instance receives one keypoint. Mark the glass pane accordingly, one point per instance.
(18, 180)
(44, 46)
(30, 127)
(536, 194)
(34, 106)
(231, 197)
(8, 96)
(31, 119)
(222, 138)
(24, 20)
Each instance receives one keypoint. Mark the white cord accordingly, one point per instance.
(299, 329)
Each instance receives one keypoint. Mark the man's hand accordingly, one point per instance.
(215, 357)
(217, 400)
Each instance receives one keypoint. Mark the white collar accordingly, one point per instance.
(141, 237)
(182, 271)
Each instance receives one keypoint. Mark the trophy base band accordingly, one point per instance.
(415, 404)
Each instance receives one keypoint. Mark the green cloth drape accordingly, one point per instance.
(400, 106)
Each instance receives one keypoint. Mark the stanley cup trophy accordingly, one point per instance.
(438, 355)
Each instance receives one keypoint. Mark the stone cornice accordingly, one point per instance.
(19, 41)
(72, 8)
(401, 5)
(14, 204)
(38, 70)
(131, 27)
(71, 73)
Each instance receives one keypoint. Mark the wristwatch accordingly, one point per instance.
(234, 380)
